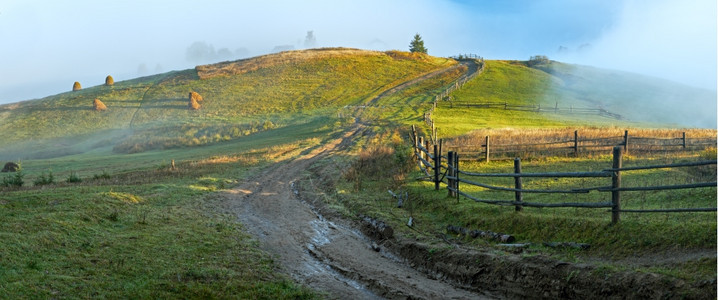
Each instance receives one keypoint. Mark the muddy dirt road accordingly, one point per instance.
(325, 255)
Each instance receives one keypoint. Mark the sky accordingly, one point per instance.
(48, 45)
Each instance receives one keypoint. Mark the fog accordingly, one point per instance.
(49, 45)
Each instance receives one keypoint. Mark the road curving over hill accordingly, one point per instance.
(327, 255)
(331, 256)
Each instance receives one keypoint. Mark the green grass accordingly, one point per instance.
(135, 228)
(565, 85)
(151, 112)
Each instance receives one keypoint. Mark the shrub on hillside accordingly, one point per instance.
(44, 179)
(537, 60)
(109, 80)
(98, 105)
(196, 96)
(76, 86)
(14, 180)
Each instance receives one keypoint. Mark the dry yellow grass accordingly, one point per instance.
(531, 142)
(252, 64)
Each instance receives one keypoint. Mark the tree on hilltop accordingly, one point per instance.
(76, 86)
(417, 45)
(109, 80)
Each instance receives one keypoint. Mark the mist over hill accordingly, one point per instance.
(636, 97)
(284, 89)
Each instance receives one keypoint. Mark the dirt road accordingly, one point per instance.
(329, 256)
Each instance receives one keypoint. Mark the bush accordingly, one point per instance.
(104, 175)
(109, 80)
(14, 180)
(73, 178)
(44, 179)
(98, 105)
(537, 60)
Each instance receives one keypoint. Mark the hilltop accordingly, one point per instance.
(241, 97)
(288, 88)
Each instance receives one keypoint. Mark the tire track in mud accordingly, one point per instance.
(328, 256)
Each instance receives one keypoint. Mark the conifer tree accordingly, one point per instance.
(417, 45)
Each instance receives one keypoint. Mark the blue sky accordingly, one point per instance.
(47, 45)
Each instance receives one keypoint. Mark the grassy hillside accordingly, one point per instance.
(641, 101)
(259, 94)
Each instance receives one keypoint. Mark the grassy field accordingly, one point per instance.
(565, 86)
(135, 227)
(151, 112)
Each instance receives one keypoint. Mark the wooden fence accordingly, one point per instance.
(445, 169)
(539, 109)
(457, 84)
(575, 145)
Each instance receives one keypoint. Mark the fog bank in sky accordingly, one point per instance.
(47, 45)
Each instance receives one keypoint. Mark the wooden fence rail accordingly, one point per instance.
(453, 177)
(576, 145)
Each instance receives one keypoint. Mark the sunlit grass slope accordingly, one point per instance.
(640, 100)
(240, 98)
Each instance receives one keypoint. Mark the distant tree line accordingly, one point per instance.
(538, 60)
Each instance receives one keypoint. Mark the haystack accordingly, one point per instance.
(193, 105)
(10, 167)
(109, 80)
(99, 106)
(196, 96)
(76, 86)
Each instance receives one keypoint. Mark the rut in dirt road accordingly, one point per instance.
(324, 255)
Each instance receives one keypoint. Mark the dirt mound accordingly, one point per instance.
(252, 64)
(10, 167)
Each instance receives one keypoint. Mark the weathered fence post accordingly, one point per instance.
(518, 183)
(615, 185)
(625, 141)
(684, 140)
(575, 143)
(421, 143)
(437, 167)
(450, 172)
(488, 147)
(506, 106)
(456, 169)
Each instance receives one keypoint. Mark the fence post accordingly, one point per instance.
(684, 140)
(616, 184)
(421, 143)
(456, 173)
(518, 183)
(488, 147)
(450, 172)
(575, 143)
(506, 106)
(625, 141)
(437, 166)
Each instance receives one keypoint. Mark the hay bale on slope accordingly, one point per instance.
(10, 167)
(109, 80)
(196, 96)
(98, 105)
(76, 86)
(193, 105)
